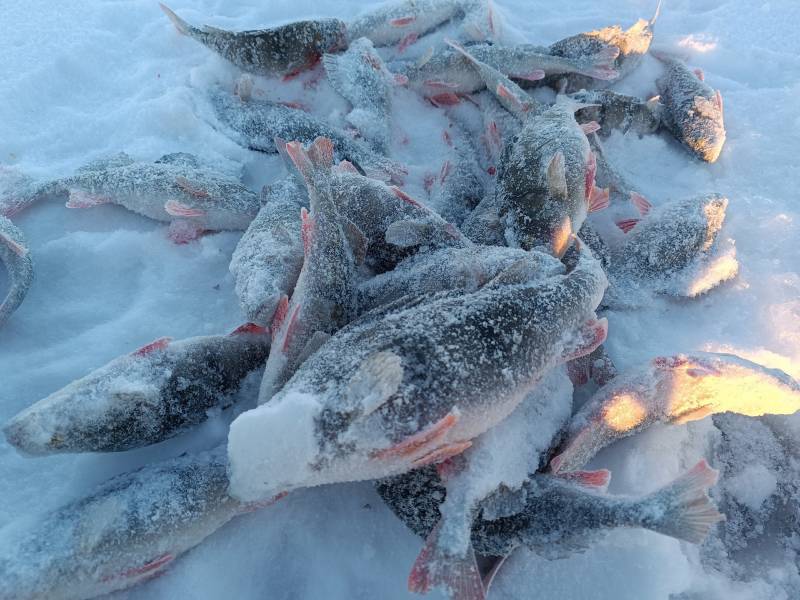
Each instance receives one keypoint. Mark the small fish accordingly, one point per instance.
(672, 249)
(269, 256)
(323, 300)
(142, 398)
(554, 516)
(414, 384)
(674, 390)
(632, 44)
(618, 112)
(450, 71)
(360, 77)
(406, 20)
(126, 531)
(466, 269)
(283, 50)
(258, 122)
(16, 256)
(174, 189)
(692, 109)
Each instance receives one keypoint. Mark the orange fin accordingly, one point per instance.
(405, 43)
(590, 127)
(404, 197)
(191, 189)
(158, 344)
(280, 314)
(641, 203)
(599, 199)
(178, 209)
(81, 199)
(15, 246)
(594, 479)
(402, 21)
(591, 334)
(627, 224)
(249, 328)
(442, 454)
(414, 443)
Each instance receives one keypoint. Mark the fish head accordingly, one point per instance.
(704, 127)
(333, 36)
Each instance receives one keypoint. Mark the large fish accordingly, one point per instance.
(128, 530)
(360, 76)
(415, 383)
(672, 249)
(323, 300)
(16, 256)
(692, 109)
(555, 516)
(632, 44)
(465, 269)
(259, 122)
(176, 189)
(269, 256)
(674, 389)
(404, 21)
(142, 398)
(449, 72)
(283, 50)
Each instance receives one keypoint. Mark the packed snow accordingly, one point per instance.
(88, 79)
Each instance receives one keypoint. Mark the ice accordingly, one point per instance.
(87, 79)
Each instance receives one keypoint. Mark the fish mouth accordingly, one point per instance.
(28, 440)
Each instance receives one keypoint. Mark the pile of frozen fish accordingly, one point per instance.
(432, 345)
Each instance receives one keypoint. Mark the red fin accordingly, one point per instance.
(153, 565)
(627, 224)
(700, 75)
(599, 199)
(437, 83)
(178, 209)
(81, 199)
(446, 137)
(442, 453)
(589, 174)
(591, 334)
(15, 246)
(249, 328)
(321, 152)
(450, 466)
(590, 127)
(534, 75)
(406, 42)
(299, 157)
(447, 167)
(291, 328)
(158, 344)
(280, 314)
(404, 197)
(402, 21)
(254, 506)
(504, 92)
(458, 574)
(306, 229)
(346, 166)
(183, 232)
(191, 189)
(641, 203)
(414, 443)
(594, 479)
(444, 99)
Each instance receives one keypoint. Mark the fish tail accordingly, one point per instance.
(182, 26)
(687, 513)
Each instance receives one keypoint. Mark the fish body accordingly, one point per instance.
(459, 185)
(449, 70)
(415, 383)
(269, 256)
(674, 390)
(128, 530)
(259, 122)
(142, 398)
(466, 269)
(675, 250)
(618, 112)
(360, 77)
(692, 109)
(283, 50)
(632, 44)
(323, 300)
(16, 256)
(396, 22)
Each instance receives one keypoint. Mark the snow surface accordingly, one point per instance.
(85, 79)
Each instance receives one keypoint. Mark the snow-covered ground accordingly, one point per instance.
(83, 79)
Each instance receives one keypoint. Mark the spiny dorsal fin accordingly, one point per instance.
(556, 176)
(376, 380)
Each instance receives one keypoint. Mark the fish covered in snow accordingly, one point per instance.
(360, 77)
(692, 109)
(674, 389)
(466, 269)
(618, 112)
(672, 249)
(128, 530)
(415, 382)
(403, 22)
(258, 122)
(443, 75)
(176, 189)
(632, 43)
(283, 50)
(142, 398)
(267, 260)
(323, 300)
(16, 256)
(554, 516)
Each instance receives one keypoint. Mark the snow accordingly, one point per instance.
(87, 79)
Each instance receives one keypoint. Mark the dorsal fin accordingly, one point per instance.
(556, 176)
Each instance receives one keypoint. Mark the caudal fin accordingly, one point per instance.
(459, 575)
(686, 511)
(182, 26)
